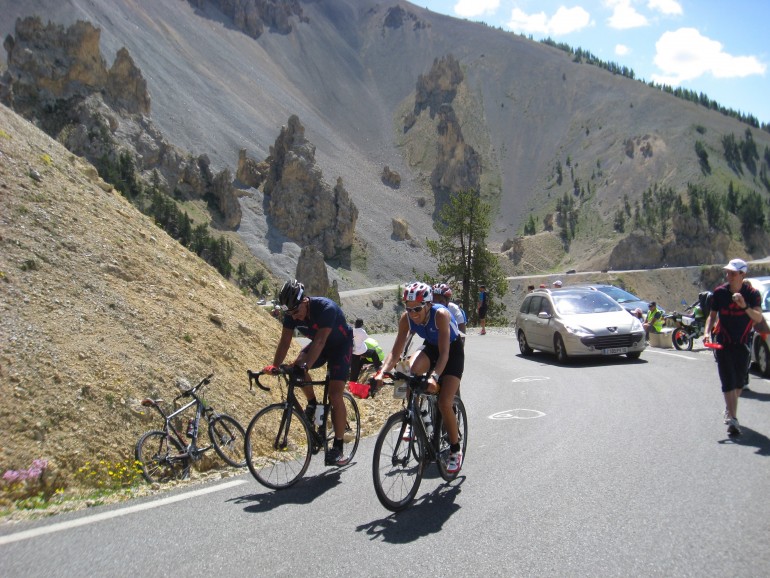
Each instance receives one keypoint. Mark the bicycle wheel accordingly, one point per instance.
(278, 448)
(352, 427)
(162, 457)
(397, 466)
(229, 440)
(443, 440)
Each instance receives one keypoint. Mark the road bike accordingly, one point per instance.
(412, 439)
(280, 440)
(166, 454)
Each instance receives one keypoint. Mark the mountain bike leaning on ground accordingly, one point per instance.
(281, 438)
(166, 454)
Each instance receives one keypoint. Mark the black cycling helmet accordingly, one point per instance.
(291, 294)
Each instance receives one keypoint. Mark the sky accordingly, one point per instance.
(707, 46)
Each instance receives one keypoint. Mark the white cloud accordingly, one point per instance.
(686, 54)
(624, 15)
(621, 49)
(471, 8)
(564, 21)
(667, 7)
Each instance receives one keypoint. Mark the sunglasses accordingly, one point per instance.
(415, 309)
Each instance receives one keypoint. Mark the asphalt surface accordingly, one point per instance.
(607, 467)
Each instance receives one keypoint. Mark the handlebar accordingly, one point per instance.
(193, 390)
(284, 369)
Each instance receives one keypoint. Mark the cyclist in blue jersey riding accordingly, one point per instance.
(442, 350)
(323, 322)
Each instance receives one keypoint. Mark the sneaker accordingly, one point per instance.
(454, 462)
(733, 428)
(335, 457)
(408, 435)
(483, 332)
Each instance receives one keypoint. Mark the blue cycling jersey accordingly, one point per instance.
(429, 331)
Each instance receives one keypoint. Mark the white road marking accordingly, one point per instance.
(679, 355)
(526, 378)
(517, 413)
(114, 513)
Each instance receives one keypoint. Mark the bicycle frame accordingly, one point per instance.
(317, 438)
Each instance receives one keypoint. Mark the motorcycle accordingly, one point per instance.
(688, 326)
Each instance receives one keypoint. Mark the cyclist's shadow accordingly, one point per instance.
(425, 516)
(304, 492)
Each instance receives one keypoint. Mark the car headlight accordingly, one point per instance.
(578, 331)
(636, 325)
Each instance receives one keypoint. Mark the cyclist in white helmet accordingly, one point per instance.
(442, 350)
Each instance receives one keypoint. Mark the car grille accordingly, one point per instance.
(608, 341)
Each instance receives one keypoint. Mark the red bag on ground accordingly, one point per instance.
(359, 389)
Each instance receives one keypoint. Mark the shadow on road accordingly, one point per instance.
(425, 516)
(750, 438)
(303, 492)
(582, 361)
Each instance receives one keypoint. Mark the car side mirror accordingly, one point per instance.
(544, 315)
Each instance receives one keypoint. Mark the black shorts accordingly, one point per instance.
(483, 312)
(456, 362)
(733, 365)
(338, 354)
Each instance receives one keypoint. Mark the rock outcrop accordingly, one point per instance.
(302, 205)
(390, 178)
(311, 272)
(250, 172)
(48, 63)
(59, 78)
(252, 16)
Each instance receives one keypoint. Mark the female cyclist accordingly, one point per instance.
(442, 350)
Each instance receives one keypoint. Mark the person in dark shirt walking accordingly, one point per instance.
(737, 305)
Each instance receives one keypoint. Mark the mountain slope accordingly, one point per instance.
(350, 70)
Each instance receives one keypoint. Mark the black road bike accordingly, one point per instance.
(166, 454)
(280, 440)
(410, 440)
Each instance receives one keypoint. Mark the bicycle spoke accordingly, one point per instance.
(277, 450)
(396, 467)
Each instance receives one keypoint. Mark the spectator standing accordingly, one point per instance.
(482, 308)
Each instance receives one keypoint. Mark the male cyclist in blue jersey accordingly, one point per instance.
(442, 350)
(323, 322)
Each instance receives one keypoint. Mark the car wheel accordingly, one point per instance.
(634, 355)
(560, 350)
(763, 358)
(523, 345)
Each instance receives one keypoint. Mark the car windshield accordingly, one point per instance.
(584, 303)
(619, 295)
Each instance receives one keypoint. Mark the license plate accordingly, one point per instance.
(614, 350)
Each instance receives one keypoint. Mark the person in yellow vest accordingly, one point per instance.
(654, 321)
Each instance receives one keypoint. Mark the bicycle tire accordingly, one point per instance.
(162, 457)
(397, 465)
(229, 440)
(352, 428)
(274, 463)
(443, 448)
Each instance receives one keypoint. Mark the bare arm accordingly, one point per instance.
(398, 346)
(316, 347)
(283, 346)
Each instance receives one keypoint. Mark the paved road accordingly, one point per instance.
(602, 468)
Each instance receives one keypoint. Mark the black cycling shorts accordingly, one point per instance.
(456, 362)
